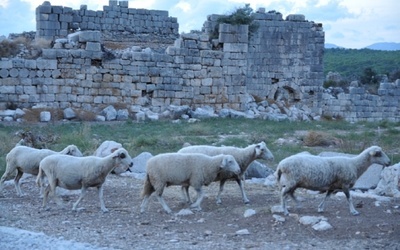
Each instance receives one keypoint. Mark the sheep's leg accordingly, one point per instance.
(350, 201)
(200, 196)
(221, 188)
(321, 206)
(102, 205)
(83, 192)
(17, 183)
(163, 204)
(285, 191)
(41, 184)
(144, 203)
(45, 195)
(4, 178)
(185, 194)
(240, 182)
(159, 191)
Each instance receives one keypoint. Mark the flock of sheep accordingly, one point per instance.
(194, 166)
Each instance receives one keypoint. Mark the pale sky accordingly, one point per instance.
(347, 23)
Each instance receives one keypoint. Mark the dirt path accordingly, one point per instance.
(215, 227)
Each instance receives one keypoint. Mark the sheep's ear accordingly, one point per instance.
(113, 150)
(224, 162)
(376, 153)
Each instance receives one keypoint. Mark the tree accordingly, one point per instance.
(369, 76)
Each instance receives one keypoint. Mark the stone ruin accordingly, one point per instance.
(136, 62)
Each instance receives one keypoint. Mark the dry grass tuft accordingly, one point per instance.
(33, 115)
(317, 138)
(84, 115)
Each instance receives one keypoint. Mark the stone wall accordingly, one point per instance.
(281, 62)
(283, 57)
(359, 105)
(116, 21)
(188, 73)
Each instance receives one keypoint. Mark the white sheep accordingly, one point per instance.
(26, 160)
(73, 173)
(106, 148)
(193, 170)
(243, 156)
(325, 174)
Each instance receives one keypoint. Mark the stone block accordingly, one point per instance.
(89, 36)
(6, 64)
(43, 9)
(235, 47)
(45, 116)
(370, 178)
(4, 73)
(49, 53)
(92, 46)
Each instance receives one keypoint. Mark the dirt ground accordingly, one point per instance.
(215, 227)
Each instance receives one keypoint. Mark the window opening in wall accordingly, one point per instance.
(274, 80)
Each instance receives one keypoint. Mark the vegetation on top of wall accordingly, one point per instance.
(14, 47)
(240, 16)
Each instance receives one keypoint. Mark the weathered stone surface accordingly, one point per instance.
(45, 116)
(69, 113)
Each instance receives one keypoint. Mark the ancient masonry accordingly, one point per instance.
(280, 62)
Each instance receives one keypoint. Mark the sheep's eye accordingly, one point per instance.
(122, 156)
(378, 153)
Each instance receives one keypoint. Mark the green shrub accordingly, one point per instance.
(240, 16)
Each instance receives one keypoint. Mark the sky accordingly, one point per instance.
(347, 23)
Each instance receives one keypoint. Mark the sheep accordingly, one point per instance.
(325, 174)
(243, 156)
(193, 170)
(26, 160)
(73, 173)
(106, 148)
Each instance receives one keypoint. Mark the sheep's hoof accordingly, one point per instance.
(355, 213)
(105, 210)
(247, 202)
(78, 209)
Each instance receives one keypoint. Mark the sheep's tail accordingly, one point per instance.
(148, 188)
(39, 177)
(278, 174)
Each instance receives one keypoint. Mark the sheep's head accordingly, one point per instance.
(74, 151)
(262, 152)
(378, 156)
(124, 161)
(229, 164)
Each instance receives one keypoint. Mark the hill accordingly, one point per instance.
(351, 63)
(384, 46)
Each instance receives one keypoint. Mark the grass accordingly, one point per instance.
(165, 136)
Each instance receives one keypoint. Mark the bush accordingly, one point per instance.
(332, 83)
(8, 48)
(241, 16)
